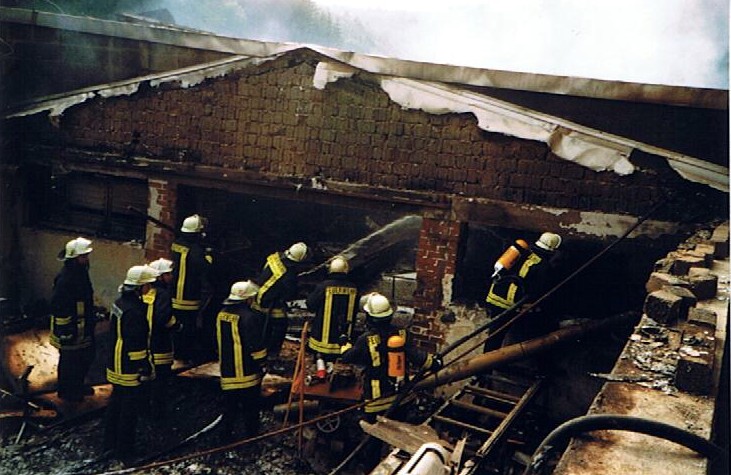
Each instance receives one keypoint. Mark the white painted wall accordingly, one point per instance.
(109, 263)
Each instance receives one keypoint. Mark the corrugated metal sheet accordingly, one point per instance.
(585, 87)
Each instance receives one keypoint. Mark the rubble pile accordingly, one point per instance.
(77, 448)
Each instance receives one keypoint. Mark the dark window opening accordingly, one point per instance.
(244, 229)
(612, 284)
(88, 203)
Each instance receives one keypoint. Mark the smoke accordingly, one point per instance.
(672, 42)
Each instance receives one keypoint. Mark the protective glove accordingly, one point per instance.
(345, 347)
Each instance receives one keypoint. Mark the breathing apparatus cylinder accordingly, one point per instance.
(510, 256)
(396, 358)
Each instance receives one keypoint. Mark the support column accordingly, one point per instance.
(436, 264)
(163, 197)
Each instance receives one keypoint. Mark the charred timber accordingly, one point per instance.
(464, 369)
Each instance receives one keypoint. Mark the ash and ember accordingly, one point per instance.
(73, 445)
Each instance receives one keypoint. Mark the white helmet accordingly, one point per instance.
(243, 290)
(162, 265)
(77, 247)
(140, 275)
(339, 265)
(549, 241)
(364, 300)
(193, 224)
(296, 252)
(378, 306)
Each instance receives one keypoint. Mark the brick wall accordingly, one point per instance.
(436, 263)
(272, 120)
(161, 206)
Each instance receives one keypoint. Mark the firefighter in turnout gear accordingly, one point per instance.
(277, 284)
(130, 363)
(73, 320)
(242, 353)
(371, 350)
(190, 289)
(334, 303)
(528, 277)
(163, 325)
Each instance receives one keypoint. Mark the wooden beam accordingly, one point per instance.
(407, 437)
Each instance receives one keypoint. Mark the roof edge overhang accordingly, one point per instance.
(562, 85)
(585, 146)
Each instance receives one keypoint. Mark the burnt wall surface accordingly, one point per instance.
(43, 61)
(270, 120)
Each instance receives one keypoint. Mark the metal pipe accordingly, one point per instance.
(464, 369)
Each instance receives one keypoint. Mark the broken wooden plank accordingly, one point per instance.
(407, 437)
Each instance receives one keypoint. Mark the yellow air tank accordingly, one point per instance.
(510, 256)
(396, 357)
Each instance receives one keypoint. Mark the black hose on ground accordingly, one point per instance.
(580, 425)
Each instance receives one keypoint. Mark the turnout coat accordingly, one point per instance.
(241, 347)
(72, 308)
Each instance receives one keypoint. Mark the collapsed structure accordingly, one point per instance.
(276, 143)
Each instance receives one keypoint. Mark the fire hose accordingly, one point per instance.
(583, 424)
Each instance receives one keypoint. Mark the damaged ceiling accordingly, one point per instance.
(433, 88)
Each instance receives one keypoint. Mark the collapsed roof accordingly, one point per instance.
(439, 89)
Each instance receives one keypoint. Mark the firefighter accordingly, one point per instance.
(333, 302)
(371, 350)
(162, 325)
(527, 279)
(278, 283)
(241, 353)
(191, 289)
(129, 363)
(73, 320)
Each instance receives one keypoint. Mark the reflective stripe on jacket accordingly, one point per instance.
(370, 350)
(72, 308)
(277, 284)
(129, 333)
(190, 272)
(507, 290)
(333, 302)
(240, 346)
(161, 322)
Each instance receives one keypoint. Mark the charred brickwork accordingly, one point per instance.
(436, 263)
(270, 119)
(162, 207)
(267, 123)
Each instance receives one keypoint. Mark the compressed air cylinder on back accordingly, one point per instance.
(510, 256)
(396, 357)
